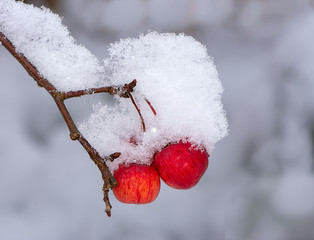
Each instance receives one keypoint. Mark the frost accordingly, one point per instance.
(40, 36)
(175, 74)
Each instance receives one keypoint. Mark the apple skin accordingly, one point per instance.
(137, 184)
(180, 165)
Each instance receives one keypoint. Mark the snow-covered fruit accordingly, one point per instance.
(137, 184)
(181, 165)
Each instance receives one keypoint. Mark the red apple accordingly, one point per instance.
(138, 184)
(181, 165)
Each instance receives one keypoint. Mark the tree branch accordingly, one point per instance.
(122, 91)
(32, 71)
(59, 98)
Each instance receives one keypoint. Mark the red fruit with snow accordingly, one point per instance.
(181, 165)
(137, 184)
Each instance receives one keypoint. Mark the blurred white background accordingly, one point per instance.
(260, 181)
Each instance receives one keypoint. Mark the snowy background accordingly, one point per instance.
(260, 180)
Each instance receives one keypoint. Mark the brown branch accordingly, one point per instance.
(122, 91)
(59, 98)
(32, 71)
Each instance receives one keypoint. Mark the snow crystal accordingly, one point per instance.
(40, 36)
(175, 74)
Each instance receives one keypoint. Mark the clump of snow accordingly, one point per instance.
(40, 36)
(176, 75)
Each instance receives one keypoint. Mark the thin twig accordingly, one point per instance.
(122, 91)
(138, 110)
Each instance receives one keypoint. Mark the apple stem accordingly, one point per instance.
(138, 110)
(129, 95)
(151, 107)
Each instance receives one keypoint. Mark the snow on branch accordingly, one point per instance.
(39, 35)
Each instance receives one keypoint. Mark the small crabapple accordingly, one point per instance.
(137, 184)
(181, 165)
